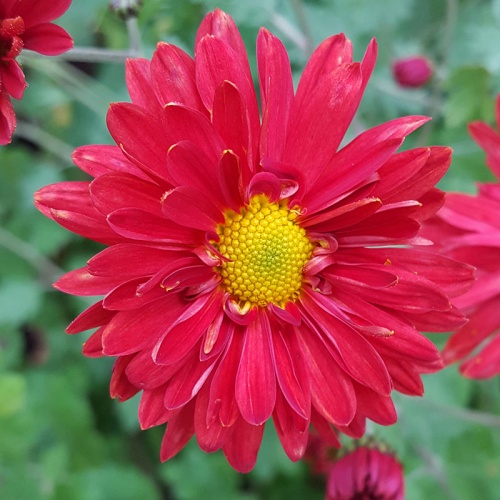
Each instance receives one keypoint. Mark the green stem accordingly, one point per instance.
(47, 270)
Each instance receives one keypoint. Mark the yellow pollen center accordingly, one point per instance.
(267, 252)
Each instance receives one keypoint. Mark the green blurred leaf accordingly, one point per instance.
(12, 393)
(468, 96)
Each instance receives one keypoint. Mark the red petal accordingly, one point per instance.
(138, 78)
(100, 159)
(292, 430)
(111, 192)
(191, 208)
(231, 181)
(81, 282)
(35, 11)
(276, 90)
(486, 364)
(137, 329)
(242, 446)
(323, 118)
(92, 317)
(220, 55)
(180, 428)
(173, 75)
(7, 118)
(140, 134)
(12, 79)
(143, 226)
(152, 411)
(92, 348)
(186, 330)
(256, 379)
(47, 39)
(331, 388)
(231, 119)
(119, 386)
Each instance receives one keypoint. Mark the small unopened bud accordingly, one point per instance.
(126, 8)
(413, 71)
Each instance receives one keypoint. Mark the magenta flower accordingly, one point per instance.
(254, 268)
(366, 473)
(25, 24)
(468, 228)
(412, 72)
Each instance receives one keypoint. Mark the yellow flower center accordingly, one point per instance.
(267, 251)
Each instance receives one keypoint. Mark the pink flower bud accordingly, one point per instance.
(413, 71)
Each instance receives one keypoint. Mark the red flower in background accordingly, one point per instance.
(253, 268)
(366, 473)
(412, 72)
(468, 228)
(26, 24)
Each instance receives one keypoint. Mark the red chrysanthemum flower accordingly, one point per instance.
(254, 269)
(366, 473)
(468, 228)
(26, 24)
(412, 72)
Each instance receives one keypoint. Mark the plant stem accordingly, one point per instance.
(47, 270)
(93, 54)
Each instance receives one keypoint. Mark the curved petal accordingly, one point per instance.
(255, 389)
(47, 39)
(139, 85)
(36, 12)
(7, 118)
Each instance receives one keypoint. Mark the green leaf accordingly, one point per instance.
(12, 394)
(468, 96)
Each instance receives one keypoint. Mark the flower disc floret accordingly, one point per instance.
(267, 251)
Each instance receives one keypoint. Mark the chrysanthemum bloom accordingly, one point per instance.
(26, 24)
(412, 72)
(253, 268)
(469, 230)
(366, 473)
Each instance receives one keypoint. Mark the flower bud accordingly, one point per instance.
(126, 8)
(412, 72)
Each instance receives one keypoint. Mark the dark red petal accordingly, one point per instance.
(291, 429)
(331, 388)
(138, 78)
(36, 11)
(119, 386)
(222, 403)
(243, 457)
(256, 378)
(173, 76)
(186, 383)
(92, 317)
(180, 428)
(144, 373)
(12, 79)
(294, 389)
(210, 434)
(7, 118)
(137, 329)
(47, 39)
(92, 348)
(486, 364)
(126, 296)
(276, 91)
(152, 411)
(184, 332)
(231, 180)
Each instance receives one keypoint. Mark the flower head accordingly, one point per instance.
(26, 25)
(254, 268)
(412, 72)
(366, 472)
(469, 230)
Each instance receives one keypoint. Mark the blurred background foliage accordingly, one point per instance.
(61, 436)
